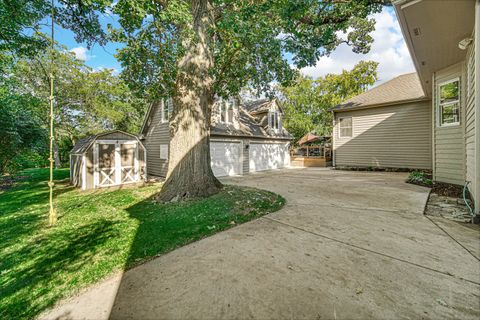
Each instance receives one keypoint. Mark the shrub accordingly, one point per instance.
(421, 178)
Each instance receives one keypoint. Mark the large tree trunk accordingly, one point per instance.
(189, 172)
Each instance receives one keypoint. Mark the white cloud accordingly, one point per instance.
(115, 71)
(388, 48)
(81, 53)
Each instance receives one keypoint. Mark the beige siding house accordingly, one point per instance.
(443, 38)
(387, 126)
(244, 138)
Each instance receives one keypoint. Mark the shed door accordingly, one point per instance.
(116, 162)
(226, 158)
(106, 164)
(267, 156)
(129, 162)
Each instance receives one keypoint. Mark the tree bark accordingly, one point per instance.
(189, 172)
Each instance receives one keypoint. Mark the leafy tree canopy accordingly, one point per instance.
(307, 102)
(87, 101)
(22, 21)
(250, 39)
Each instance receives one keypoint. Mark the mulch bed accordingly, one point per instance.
(376, 169)
(448, 190)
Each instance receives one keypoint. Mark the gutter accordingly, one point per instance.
(215, 134)
(383, 104)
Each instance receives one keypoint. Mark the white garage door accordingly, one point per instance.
(267, 156)
(226, 158)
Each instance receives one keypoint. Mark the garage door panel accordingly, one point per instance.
(267, 156)
(226, 158)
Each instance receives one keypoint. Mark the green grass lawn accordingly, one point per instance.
(99, 232)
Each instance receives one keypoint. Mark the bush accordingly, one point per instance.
(27, 159)
(420, 178)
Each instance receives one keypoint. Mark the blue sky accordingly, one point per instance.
(96, 57)
(389, 49)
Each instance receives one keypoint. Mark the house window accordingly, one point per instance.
(345, 125)
(274, 120)
(164, 152)
(167, 108)
(449, 103)
(227, 111)
(223, 114)
(230, 112)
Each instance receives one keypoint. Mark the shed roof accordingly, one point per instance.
(84, 144)
(404, 88)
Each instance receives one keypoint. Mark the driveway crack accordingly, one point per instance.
(451, 237)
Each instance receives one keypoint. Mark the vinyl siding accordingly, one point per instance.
(157, 134)
(386, 137)
(449, 142)
(470, 120)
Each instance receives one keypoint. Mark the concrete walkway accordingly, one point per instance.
(348, 245)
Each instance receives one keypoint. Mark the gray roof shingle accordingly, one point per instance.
(249, 126)
(405, 87)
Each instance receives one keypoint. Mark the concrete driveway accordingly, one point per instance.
(348, 245)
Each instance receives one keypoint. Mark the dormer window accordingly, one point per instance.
(167, 109)
(274, 120)
(227, 111)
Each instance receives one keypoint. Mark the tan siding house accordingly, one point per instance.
(449, 146)
(430, 119)
(385, 133)
(470, 114)
(396, 136)
(446, 57)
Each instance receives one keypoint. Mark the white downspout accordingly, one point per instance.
(333, 139)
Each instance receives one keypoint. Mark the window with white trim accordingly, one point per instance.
(345, 127)
(274, 120)
(449, 103)
(164, 152)
(227, 111)
(167, 108)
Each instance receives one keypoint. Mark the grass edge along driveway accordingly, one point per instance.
(99, 232)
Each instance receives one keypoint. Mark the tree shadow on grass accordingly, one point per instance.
(52, 254)
(19, 214)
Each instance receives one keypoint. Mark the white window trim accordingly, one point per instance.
(340, 127)
(160, 152)
(276, 125)
(165, 119)
(225, 106)
(439, 107)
